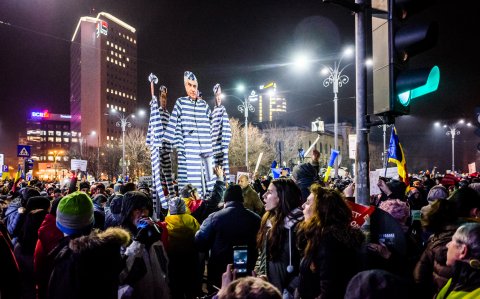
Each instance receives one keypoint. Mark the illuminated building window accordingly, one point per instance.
(128, 59)
(120, 56)
(75, 140)
(116, 62)
(108, 89)
(116, 47)
(134, 41)
(111, 52)
(50, 139)
(108, 58)
(66, 139)
(124, 65)
(115, 92)
(58, 139)
(51, 133)
(123, 50)
(108, 42)
(134, 99)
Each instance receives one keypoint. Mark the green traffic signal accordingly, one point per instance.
(431, 85)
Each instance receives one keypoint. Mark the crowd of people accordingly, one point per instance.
(107, 241)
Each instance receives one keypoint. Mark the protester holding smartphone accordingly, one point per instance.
(234, 225)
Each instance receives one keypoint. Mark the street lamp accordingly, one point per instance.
(124, 123)
(337, 80)
(55, 154)
(453, 130)
(244, 108)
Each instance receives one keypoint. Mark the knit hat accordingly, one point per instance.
(215, 88)
(397, 208)
(38, 202)
(75, 213)
(233, 193)
(177, 206)
(437, 192)
(189, 76)
(187, 191)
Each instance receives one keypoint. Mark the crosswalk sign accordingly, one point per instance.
(23, 150)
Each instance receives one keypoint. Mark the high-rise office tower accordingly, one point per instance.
(103, 76)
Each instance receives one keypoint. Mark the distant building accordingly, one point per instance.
(50, 137)
(103, 77)
(270, 105)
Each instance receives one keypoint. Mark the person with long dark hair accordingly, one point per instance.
(330, 245)
(279, 257)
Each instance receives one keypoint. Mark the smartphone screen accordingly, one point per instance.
(240, 254)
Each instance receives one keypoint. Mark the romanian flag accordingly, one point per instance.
(397, 156)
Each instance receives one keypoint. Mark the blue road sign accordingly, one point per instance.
(4, 168)
(24, 150)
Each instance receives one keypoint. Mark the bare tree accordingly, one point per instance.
(138, 153)
(285, 142)
(256, 145)
(111, 160)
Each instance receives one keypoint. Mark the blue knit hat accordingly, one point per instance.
(189, 76)
(216, 88)
(75, 213)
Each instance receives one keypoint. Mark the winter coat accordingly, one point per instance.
(146, 273)
(251, 200)
(289, 255)
(10, 280)
(464, 284)
(13, 219)
(232, 226)
(113, 211)
(337, 259)
(431, 272)
(88, 266)
(49, 237)
(184, 273)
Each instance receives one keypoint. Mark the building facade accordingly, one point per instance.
(103, 82)
(50, 138)
(270, 105)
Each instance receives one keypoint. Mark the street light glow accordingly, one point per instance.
(240, 87)
(301, 62)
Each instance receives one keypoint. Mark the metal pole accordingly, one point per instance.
(123, 149)
(362, 158)
(453, 149)
(246, 132)
(384, 156)
(335, 127)
(98, 157)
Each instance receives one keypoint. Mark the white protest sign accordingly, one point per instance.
(78, 164)
(374, 175)
(352, 145)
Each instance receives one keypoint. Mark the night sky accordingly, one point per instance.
(228, 42)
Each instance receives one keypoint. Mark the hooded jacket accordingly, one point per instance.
(88, 266)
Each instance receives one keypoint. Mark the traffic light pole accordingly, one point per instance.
(362, 162)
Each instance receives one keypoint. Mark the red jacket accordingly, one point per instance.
(48, 237)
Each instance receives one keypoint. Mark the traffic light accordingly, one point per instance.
(27, 165)
(395, 39)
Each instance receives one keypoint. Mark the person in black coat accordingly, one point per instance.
(234, 225)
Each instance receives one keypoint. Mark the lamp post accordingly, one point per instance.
(453, 130)
(337, 80)
(245, 107)
(124, 123)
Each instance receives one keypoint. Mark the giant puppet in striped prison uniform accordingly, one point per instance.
(190, 132)
(166, 149)
(155, 132)
(221, 133)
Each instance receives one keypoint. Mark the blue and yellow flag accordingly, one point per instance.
(397, 156)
